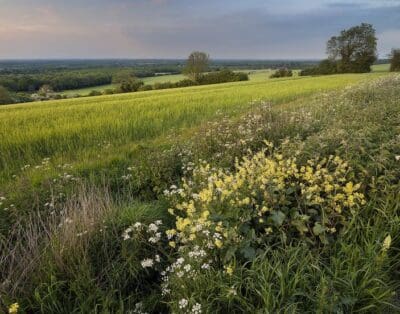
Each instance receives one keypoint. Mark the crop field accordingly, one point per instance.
(264, 196)
(71, 129)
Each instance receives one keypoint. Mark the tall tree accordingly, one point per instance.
(354, 49)
(395, 60)
(196, 64)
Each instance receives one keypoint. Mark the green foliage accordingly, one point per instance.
(222, 76)
(5, 97)
(196, 64)
(283, 72)
(79, 272)
(395, 60)
(354, 49)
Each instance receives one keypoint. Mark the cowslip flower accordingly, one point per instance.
(13, 309)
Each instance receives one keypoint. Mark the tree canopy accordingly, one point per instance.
(196, 64)
(354, 49)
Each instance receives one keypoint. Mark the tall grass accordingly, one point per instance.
(80, 128)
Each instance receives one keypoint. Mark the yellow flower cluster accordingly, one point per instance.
(267, 192)
(13, 309)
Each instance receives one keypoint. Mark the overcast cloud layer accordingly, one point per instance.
(269, 29)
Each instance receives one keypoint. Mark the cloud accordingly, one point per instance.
(172, 28)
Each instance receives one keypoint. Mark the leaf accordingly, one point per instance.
(248, 253)
(278, 217)
(318, 229)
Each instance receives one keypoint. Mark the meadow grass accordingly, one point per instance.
(61, 271)
(71, 129)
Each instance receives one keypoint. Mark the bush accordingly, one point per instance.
(145, 87)
(283, 72)
(395, 60)
(94, 93)
(325, 67)
(109, 91)
(222, 77)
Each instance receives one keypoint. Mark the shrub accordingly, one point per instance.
(145, 87)
(94, 93)
(283, 72)
(108, 91)
(395, 60)
(222, 76)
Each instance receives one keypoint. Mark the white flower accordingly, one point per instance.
(153, 227)
(180, 274)
(196, 309)
(137, 225)
(183, 303)
(187, 267)
(148, 262)
(157, 258)
(205, 266)
(397, 157)
(158, 222)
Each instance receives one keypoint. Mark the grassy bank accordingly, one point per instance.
(78, 261)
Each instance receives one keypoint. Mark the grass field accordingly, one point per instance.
(254, 75)
(95, 216)
(71, 129)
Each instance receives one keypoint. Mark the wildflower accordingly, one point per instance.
(397, 158)
(229, 270)
(153, 227)
(172, 244)
(148, 262)
(218, 243)
(13, 309)
(196, 309)
(183, 303)
(386, 243)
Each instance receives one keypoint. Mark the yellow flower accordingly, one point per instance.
(13, 308)
(386, 243)
(348, 188)
(205, 214)
(218, 243)
(170, 232)
(172, 244)
(229, 270)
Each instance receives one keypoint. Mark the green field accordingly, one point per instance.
(254, 75)
(289, 203)
(72, 129)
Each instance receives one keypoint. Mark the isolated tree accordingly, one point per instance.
(395, 60)
(196, 64)
(45, 90)
(354, 49)
(5, 97)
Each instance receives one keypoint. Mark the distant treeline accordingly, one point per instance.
(134, 85)
(29, 75)
(64, 79)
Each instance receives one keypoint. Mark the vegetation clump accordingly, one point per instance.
(282, 72)
(353, 51)
(395, 60)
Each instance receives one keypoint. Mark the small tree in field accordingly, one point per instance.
(395, 60)
(196, 64)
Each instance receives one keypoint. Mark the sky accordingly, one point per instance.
(234, 29)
